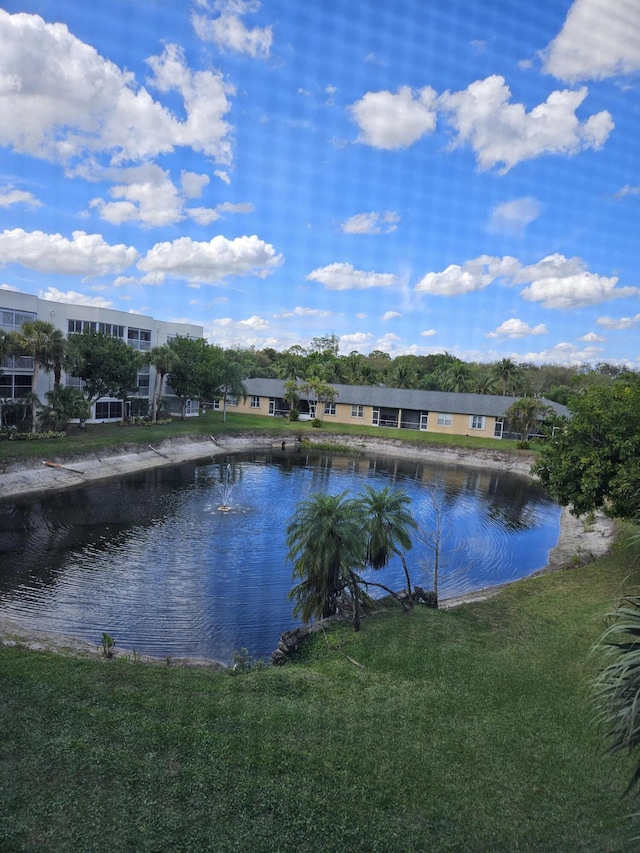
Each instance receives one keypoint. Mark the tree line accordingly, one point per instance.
(434, 372)
(107, 367)
(194, 369)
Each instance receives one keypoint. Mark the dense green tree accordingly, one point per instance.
(108, 366)
(64, 404)
(47, 346)
(197, 371)
(525, 415)
(326, 539)
(593, 461)
(388, 525)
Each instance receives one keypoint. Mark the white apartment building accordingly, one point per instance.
(139, 330)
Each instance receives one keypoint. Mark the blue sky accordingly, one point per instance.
(413, 177)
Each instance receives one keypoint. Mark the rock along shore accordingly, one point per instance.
(580, 542)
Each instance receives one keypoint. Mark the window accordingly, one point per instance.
(216, 405)
(357, 411)
(232, 401)
(108, 409)
(329, 408)
(139, 338)
(255, 403)
(444, 419)
(143, 382)
(476, 422)
(76, 327)
(111, 329)
(12, 320)
(14, 387)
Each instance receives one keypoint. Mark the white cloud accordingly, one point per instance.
(62, 101)
(512, 217)
(391, 315)
(193, 183)
(344, 277)
(207, 215)
(214, 261)
(559, 282)
(503, 133)
(428, 333)
(599, 39)
(299, 311)
(388, 343)
(618, 324)
(223, 176)
(355, 341)
(86, 254)
(391, 121)
(11, 196)
(515, 328)
(563, 353)
(371, 223)
(255, 322)
(71, 297)
(228, 31)
(472, 275)
(555, 281)
(627, 189)
(146, 194)
(592, 338)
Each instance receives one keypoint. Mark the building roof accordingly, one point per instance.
(406, 398)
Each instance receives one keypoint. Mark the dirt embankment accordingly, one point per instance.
(580, 541)
(53, 474)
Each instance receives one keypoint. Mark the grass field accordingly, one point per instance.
(97, 437)
(461, 730)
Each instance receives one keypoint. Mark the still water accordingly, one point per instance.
(154, 562)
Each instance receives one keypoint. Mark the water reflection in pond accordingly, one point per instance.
(152, 560)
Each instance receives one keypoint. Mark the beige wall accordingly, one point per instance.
(460, 426)
(459, 423)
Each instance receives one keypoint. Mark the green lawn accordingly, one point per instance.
(461, 730)
(100, 437)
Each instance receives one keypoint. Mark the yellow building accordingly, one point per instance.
(401, 408)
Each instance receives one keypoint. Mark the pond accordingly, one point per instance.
(152, 559)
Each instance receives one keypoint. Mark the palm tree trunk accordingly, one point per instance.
(406, 573)
(154, 399)
(34, 395)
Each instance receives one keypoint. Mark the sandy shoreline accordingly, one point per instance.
(579, 542)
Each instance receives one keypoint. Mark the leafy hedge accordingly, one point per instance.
(31, 436)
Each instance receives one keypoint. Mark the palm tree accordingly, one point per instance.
(387, 522)
(291, 395)
(162, 358)
(524, 417)
(617, 687)
(326, 541)
(65, 404)
(47, 346)
(507, 372)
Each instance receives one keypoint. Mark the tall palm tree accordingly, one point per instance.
(388, 523)
(162, 358)
(507, 372)
(326, 542)
(47, 346)
(617, 687)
